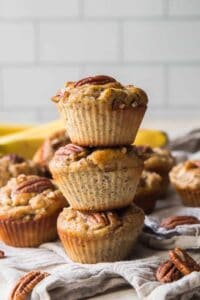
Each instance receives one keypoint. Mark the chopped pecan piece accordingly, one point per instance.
(2, 254)
(167, 272)
(26, 284)
(69, 149)
(99, 79)
(35, 184)
(173, 221)
(183, 261)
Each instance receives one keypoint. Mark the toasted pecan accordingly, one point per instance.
(69, 149)
(183, 261)
(102, 219)
(167, 272)
(26, 284)
(34, 184)
(99, 79)
(173, 221)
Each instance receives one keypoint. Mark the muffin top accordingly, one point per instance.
(101, 88)
(46, 151)
(156, 159)
(186, 175)
(149, 182)
(97, 224)
(29, 197)
(74, 158)
(12, 165)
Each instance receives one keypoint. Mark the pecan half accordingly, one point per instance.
(35, 184)
(99, 79)
(2, 254)
(183, 261)
(102, 219)
(69, 149)
(14, 158)
(26, 284)
(167, 272)
(173, 221)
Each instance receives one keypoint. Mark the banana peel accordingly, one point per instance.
(6, 129)
(152, 138)
(26, 143)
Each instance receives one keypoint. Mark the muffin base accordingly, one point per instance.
(19, 233)
(98, 125)
(89, 251)
(188, 197)
(99, 190)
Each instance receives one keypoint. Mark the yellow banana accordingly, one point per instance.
(6, 128)
(25, 143)
(152, 138)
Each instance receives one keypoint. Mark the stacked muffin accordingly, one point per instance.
(99, 172)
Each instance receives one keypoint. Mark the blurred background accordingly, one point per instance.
(154, 44)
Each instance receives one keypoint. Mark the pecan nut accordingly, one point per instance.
(69, 149)
(173, 221)
(167, 272)
(35, 184)
(2, 254)
(183, 261)
(99, 79)
(102, 219)
(26, 284)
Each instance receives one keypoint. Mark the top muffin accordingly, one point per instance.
(100, 111)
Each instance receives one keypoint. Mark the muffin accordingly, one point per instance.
(29, 207)
(46, 151)
(96, 179)
(99, 111)
(157, 160)
(91, 237)
(148, 191)
(185, 177)
(12, 165)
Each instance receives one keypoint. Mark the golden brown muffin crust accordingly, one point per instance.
(76, 157)
(29, 197)
(107, 90)
(12, 165)
(156, 159)
(186, 175)
(150, 182)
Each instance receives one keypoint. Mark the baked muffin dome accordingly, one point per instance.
(185, 177)
(29, 206)
(96, 179)
(100, 111)
(91, 237)
(12, 165)
(148, 191)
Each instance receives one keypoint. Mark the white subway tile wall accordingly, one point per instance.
(154, 44)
